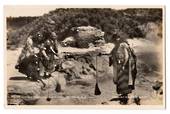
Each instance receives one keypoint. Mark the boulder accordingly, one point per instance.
(69, 41)
(88, 34)
(25, 92)
(83, 36)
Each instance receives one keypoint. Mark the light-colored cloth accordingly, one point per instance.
(27, 50)
(127, 59)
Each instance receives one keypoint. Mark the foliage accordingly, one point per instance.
(125, 23)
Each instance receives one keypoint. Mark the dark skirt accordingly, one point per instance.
(123, 80)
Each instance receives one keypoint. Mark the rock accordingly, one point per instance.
(89, 31)
(29, 92)
(100, 42)
(83, 36)
(137, 100)
(161, 92)
(157, 85)
(105, 103)
(69, 41)
(68, 65)
(88, 34)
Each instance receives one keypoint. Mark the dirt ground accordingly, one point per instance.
(81, 91)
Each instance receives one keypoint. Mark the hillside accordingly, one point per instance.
(16, 22)
(127, 23)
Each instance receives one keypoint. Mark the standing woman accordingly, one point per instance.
(120, 60)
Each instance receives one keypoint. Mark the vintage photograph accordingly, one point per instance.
(107, 56)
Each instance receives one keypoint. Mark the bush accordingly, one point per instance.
(108, 20)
